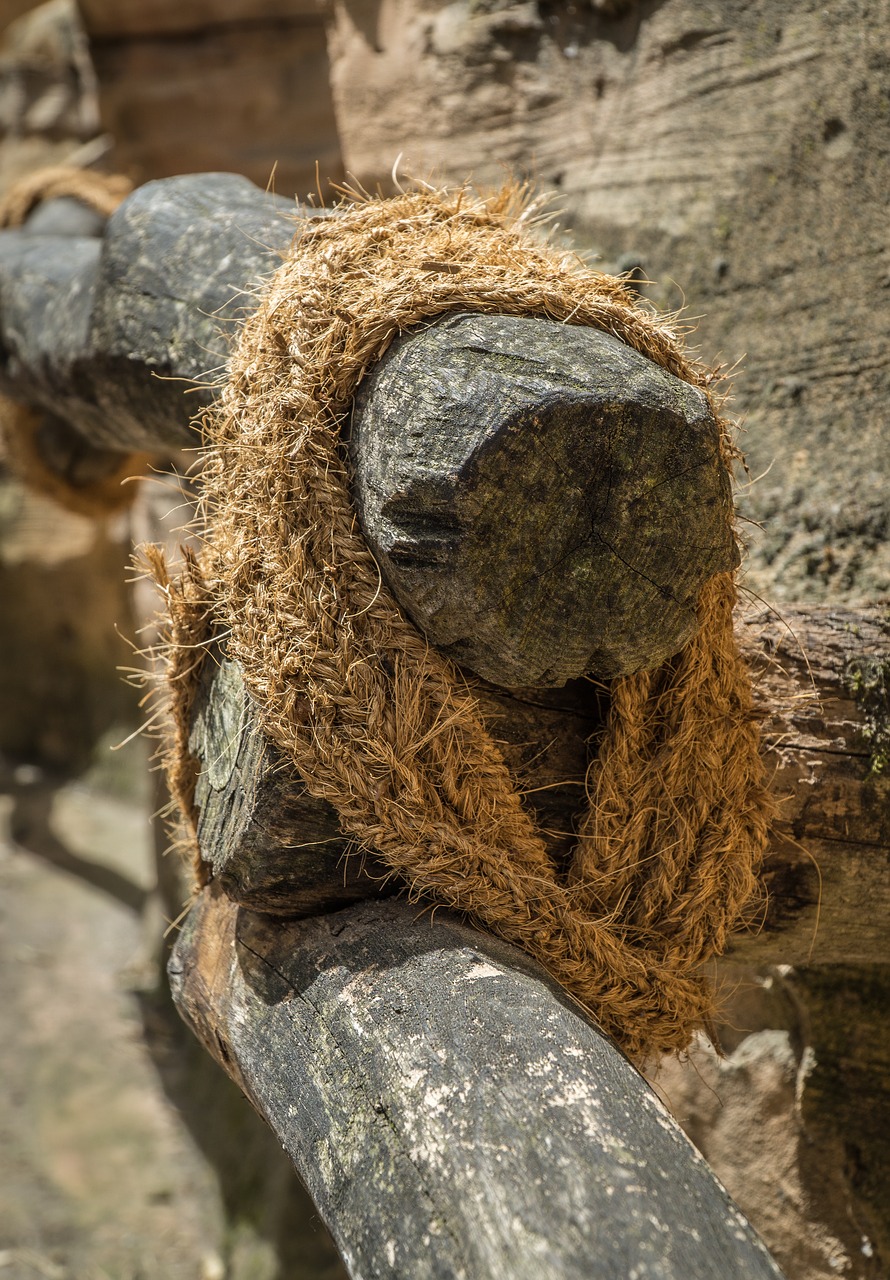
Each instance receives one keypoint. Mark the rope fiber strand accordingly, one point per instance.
(381, 725)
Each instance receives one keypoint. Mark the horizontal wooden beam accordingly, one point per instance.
(450, 1112)
(821, 686)
(543, 500)
(111, 331)
(828, 869)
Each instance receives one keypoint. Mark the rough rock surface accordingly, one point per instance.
(747, 1103)
(796, 1119)
(740, 149)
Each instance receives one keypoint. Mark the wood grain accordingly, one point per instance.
(827, 872)
(450, 1113)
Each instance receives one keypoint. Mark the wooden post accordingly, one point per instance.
(110, 332)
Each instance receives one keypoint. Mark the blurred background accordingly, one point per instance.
(728, 157)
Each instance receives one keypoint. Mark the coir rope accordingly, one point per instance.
(379, 724)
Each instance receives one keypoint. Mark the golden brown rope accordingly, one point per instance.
(102, 192)
(20, 445)
(379, 724)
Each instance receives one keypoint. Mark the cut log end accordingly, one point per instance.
(543, 501)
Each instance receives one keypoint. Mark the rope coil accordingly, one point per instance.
(383, 727)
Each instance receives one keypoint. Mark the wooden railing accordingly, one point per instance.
(450, 1110)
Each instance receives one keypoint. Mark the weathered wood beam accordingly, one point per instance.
(87, 322)
(277, 849)
(544, 501)
(111, 332)
(828, 870)
(821, 686)
(450, 1112)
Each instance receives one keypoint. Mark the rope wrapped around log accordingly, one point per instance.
(385, 728)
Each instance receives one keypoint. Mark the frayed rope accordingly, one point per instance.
(383, 727)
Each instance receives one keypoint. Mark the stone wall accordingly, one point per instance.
(736, 151)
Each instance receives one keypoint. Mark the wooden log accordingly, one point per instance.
(451, 1114)
(828, 867)
(543, 500)
(528, 487)
(268, 842)
(179, 258)
(110, 333)
(275, 848)
(820, 684)
(63, 449)
(46, 295)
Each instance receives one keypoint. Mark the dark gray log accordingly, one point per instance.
(451, 1114)
(47, 287)
(64, 216)
(277, 849)
(529, 488)
(543, 500)
(94, 330)
(269, 843)
(178, 258)
(828, 868)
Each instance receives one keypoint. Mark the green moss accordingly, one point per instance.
(868, 679)
(723, 228)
